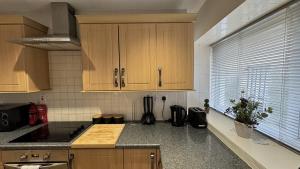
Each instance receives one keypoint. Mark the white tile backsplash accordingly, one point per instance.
(66, 102)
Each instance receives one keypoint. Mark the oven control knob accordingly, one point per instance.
(23, 157)
(46, 156)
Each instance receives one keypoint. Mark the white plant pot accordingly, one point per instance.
(243, 130)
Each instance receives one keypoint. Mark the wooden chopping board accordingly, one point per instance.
(99, 136)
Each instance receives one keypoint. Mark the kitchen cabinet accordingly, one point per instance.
(22, 69)
(97, 158)
(159, 163)
(175, 56)
(1, 164)
(137, 56)
(100, 56)
(140, 159)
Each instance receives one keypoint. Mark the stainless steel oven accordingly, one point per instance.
(42, 159)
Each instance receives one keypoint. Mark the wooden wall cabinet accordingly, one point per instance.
(136, 56)
(97, 158)
(140, 159)
(175, 56)
(22, 69)
(100, 56)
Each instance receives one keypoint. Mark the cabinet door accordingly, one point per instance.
(175, 56)
(137, 56)
(98, 159)
(140, 159)
(1, 164)
(100, 56)
(12, 68)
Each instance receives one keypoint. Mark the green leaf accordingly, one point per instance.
(264, 115)
(270, 110)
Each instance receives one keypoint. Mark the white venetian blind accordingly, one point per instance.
(261, 66)
(264, 61)
(224, 73)
(290, 127)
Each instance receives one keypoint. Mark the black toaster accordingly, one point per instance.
(197, 117)
(13, 116)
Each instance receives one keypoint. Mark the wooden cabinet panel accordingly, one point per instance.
(22, 69)
(137, 56)
(100, 56)
(37, 64)
(140, 159)
(159, 163)
(12, 60)
(1, 164)
(98, 158)
(175, 55)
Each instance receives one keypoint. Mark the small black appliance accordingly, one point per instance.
(197, 117)
(13, 116)
(148, 116)
(178, 115)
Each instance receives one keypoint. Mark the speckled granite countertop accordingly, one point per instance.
(182, 147)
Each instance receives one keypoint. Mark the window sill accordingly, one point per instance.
(259, 152)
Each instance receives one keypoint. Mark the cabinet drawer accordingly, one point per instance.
(97, 158)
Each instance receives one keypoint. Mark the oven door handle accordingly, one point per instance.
(43, 165)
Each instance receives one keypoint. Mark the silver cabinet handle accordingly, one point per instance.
(47, 156)
(23, 157)
(122, 77)
(116, 72)
(152, 159)
(159, 77)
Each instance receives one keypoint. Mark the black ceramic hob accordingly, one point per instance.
(54, 132)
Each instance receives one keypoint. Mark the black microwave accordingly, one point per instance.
(13, 116)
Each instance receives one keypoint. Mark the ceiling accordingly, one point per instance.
(249, 11)
(92, 6)
(40, 10)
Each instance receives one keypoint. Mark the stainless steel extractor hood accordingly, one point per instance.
(64, 37)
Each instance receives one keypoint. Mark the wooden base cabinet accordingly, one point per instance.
(97, 158)
(1, 164)
(140, 159)
(22, 69)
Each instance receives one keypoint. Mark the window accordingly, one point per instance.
(264, 61)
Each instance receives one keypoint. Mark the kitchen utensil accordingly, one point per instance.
(197, 117)
(107, 118)
(118, 119)
(97, 119)
(148, 116)
(178, 115)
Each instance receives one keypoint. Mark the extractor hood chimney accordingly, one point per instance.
(64, 37)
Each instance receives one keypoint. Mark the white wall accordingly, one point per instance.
(201, 75)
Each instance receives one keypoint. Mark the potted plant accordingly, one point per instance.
(247, 115)
(206, 105)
